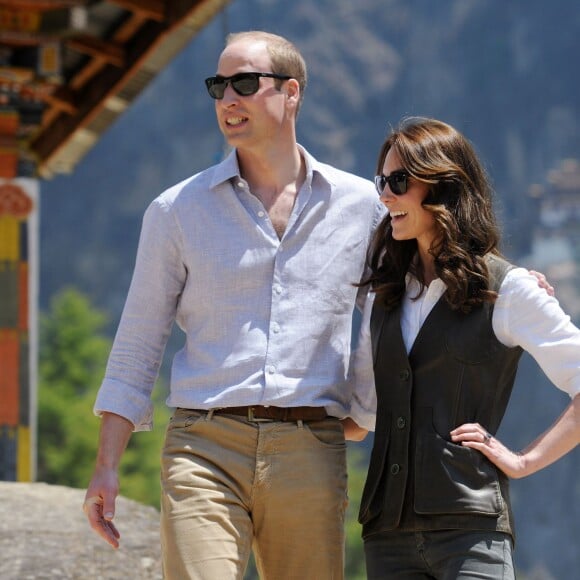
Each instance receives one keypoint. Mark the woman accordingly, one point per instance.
(450, 321)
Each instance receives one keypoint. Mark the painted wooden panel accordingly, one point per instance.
(9, 238)
(9, 386)
(8, 453)
(18, 220)
(24, 385)
(23, 298)
(23, 448)
(8, 294)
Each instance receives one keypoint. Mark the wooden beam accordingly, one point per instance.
(152, 9)
(63, 99)
(129, 28)
(92, 96)
(111, 52)
(98, 81)
(41, 5)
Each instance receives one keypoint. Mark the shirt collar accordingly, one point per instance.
(225, 170)
(229, 168)
(413, 286)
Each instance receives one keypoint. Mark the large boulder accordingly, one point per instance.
(45, 535)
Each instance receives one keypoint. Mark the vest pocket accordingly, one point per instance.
(451, 479)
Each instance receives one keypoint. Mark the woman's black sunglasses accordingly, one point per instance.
(245, 83)
(397, 181)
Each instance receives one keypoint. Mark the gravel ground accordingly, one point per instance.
(45, 535)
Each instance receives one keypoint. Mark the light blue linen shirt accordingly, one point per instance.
(267, 321)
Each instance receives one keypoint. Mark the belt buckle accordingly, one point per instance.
(253, 419)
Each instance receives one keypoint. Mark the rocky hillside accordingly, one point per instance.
(44, 535)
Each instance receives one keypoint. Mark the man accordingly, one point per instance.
(256, 260)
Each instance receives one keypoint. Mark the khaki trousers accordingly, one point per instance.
(230, 485)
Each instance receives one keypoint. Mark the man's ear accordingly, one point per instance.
(292, 90)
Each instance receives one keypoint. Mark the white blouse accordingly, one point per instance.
(524, 315)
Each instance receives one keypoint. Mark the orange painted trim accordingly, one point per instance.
(9, 377)
(9, 121)
(8, 165)
(13, 199)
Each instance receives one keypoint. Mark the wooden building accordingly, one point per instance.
(68, 69)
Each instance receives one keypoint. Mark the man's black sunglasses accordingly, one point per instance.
(397, 181)
(245, 83)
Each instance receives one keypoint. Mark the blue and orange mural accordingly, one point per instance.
(18, 224)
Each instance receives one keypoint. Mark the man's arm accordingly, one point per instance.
(103, 489)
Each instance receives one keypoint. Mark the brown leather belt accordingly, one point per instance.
(259, 412)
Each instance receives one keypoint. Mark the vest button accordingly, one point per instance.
(404, 375)
(401, 422)
(395, 468)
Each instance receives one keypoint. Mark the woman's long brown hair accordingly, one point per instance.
(460, 199)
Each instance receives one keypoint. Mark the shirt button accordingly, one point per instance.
(395, 468)
(275, 327)
(278, 289)
(401, 422)
(271, 369)
(404, 375)
(261, 214)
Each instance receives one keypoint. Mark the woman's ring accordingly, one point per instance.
(487, 436)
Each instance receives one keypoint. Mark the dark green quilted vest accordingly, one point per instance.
(456, 372)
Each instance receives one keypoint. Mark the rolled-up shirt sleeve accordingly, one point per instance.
(364, 400)
(146, 322)
(526, 316)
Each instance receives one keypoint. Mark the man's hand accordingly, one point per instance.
(543, 282)
(99, 505)
(100, 498)
(352, 432)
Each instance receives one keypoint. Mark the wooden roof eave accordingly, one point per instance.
(85, 111)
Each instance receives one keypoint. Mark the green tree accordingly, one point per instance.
(72, 358)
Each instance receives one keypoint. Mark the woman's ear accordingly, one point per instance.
(445, 192)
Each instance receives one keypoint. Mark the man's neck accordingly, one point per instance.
(273, 172)
(275, 179)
